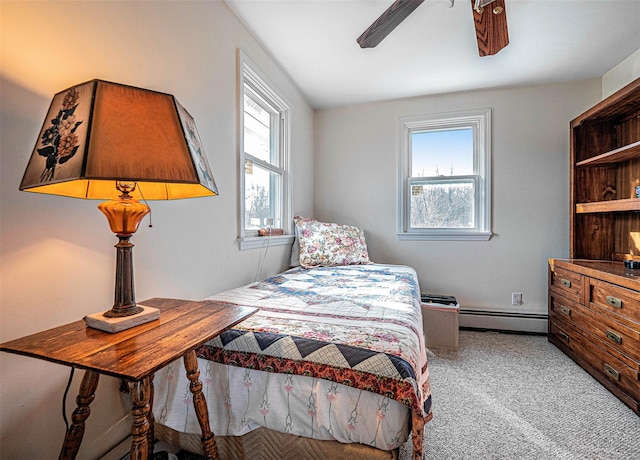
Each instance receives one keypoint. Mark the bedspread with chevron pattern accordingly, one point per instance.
(358, 327)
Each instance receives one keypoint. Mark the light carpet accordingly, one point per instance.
(509, 396)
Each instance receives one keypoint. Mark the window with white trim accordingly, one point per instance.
(445, 176)
(264, 160)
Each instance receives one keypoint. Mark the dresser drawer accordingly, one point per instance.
(620, 301)
(568, 283)
(620, 340)
(566, 309)
(609, 366)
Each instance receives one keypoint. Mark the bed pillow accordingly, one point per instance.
(325, 244)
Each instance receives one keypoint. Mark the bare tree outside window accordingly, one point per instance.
(257, 207)
(442, 206)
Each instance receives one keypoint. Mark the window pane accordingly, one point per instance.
(262, 197)
(442, 205)
(442, 153)
(257, 130)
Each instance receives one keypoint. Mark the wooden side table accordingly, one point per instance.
(135, 355)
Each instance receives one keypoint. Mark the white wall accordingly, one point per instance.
(356, 164)
(621, 75)
(57, 255)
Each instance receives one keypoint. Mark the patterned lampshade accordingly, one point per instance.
(108, 141)
(98, 132)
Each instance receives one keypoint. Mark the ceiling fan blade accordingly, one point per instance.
(387, 21)
(491, 27)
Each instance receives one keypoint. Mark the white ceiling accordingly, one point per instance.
(434, 50)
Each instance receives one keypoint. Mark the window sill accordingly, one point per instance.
(444, 236)
(258, 242)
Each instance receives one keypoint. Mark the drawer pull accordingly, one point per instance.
(565, 282)
(566, 310)
(614, 337)
(614, 374)
(616, 303)
(564, 337)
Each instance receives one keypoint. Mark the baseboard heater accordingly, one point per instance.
(503, 321)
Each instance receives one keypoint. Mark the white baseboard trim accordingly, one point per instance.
(504, 320)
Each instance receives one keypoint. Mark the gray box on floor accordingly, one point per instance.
(440, 323)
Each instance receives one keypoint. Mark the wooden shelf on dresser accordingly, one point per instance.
(604, 216)
(623, 154)
(628, 152)
(628, 204)
(594, 317)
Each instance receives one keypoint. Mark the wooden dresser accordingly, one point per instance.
(594, 300)
(594, 317)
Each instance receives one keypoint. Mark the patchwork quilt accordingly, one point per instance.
(332, 353)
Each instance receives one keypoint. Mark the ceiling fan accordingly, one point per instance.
(490, 23)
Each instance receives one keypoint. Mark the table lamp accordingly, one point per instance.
(108, 141)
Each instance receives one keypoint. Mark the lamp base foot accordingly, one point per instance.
(99, 321)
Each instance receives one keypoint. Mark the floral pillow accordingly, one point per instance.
(325, 244)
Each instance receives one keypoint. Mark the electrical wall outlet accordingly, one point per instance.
(516, 298)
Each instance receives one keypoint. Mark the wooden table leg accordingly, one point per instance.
(86, 395)
(200, 405)
(151, 436)
(140, 397)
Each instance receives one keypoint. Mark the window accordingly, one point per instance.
(264, 171)
(445, 184)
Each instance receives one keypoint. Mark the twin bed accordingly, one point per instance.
(332, 365)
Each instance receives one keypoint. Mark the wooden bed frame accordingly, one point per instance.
(266, 444)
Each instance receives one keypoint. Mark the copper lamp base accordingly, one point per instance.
(124, 215)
